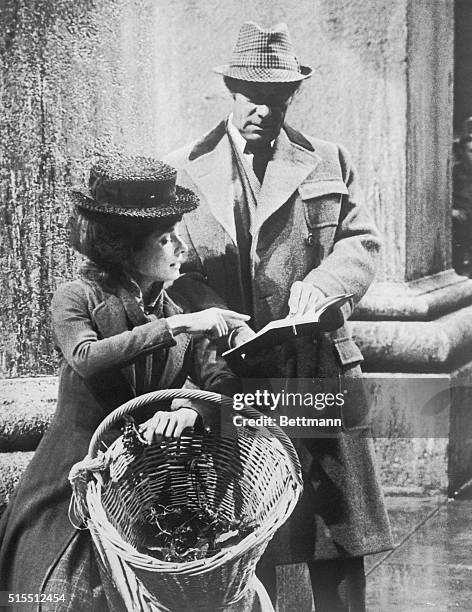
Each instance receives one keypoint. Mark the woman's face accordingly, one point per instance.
(161, 255)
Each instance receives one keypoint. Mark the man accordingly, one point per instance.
(281, 225)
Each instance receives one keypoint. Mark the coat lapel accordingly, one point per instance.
(110, 319)
(176, 354)
(212, 170)
(213, 175)
(289, 167)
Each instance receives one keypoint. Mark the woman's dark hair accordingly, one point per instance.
(110, 241)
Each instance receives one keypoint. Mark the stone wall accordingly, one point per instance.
(79, 78)
(410, 417)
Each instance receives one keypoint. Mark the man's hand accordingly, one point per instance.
(168, 425)
(212, 322)
(303, 297)
(240, 336)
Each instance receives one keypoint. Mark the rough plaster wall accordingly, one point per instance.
(79, 77)
(73, 83)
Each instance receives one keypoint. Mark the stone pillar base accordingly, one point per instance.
(416, 339)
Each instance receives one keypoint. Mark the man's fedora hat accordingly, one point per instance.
(137, 187)
(264, 56)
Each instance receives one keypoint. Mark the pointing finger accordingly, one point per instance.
(223, 326)
(305, 296)
(231, 314)
(294, 299)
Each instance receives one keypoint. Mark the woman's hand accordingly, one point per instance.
(168, 425)
(212, 322)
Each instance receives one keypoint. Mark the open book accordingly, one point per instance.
(325, 316)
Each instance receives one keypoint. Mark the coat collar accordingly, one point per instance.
(112, 314)
(286, 171)
(210, 166)
(112, 317)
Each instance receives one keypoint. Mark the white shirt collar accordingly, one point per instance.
(239, 140)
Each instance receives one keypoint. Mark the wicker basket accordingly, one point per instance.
(253, 473)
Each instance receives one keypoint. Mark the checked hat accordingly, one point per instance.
(264, 56)
(134, 187)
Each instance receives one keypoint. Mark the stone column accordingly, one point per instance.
(418, 318)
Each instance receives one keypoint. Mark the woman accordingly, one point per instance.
(119, 335)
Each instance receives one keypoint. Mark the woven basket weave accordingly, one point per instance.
(251, 473)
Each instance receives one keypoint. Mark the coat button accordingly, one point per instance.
(310, 240)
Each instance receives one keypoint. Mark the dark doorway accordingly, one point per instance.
(463, 64)
(462, 146)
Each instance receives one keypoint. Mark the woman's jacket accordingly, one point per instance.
(110, 351)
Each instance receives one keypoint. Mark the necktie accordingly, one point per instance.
(261, 157)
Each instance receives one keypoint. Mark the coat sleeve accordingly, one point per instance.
(80, 345)
(208, 371)
(211, 373)
(351, 265)
(193, 289)
(207, 368)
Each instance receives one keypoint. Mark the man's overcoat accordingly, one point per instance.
(309, 225)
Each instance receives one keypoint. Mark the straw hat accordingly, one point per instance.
(138, 187)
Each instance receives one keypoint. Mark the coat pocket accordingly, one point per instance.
(356, 408)
(322, 208)
(347, 352)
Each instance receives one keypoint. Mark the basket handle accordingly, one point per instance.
(192, 394)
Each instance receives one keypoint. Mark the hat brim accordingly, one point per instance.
(185, 202)
(264, 75)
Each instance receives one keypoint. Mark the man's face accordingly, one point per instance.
(259, 110)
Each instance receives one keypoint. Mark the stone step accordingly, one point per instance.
(12, 466)
(27, 406)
